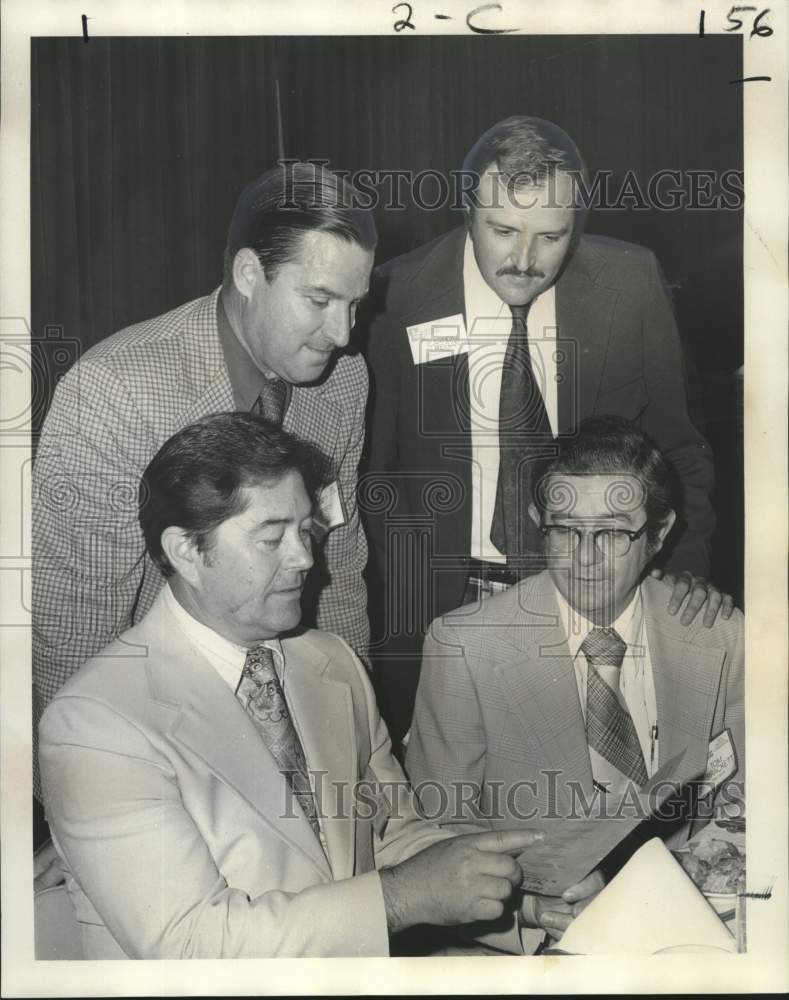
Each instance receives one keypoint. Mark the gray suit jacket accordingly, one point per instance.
(498, 703)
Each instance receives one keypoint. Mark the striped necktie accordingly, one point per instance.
(610, 730)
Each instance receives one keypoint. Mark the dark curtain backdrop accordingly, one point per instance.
(140, 147)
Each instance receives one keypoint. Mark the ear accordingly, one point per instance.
(247, 269)
(665, 527)
(534, 514)
(181, 550)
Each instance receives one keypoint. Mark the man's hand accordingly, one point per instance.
(555, 915)
(455, 881)
(47, 867)
(700, 591)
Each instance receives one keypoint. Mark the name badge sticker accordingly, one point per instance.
(721, 760)
(438, 338)
(330, 512)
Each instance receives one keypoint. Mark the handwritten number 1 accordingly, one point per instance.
(406, 21)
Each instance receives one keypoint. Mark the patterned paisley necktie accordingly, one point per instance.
(261, 694)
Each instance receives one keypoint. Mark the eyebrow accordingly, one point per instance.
(321, 290)
(591, 518)
(276, 521)
(272, 522)
(493, 224)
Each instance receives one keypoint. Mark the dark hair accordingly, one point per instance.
(610, 446)
(525, 150)
(274, 211)
(195, 479)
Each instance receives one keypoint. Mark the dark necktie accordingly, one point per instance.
(610, 730)
(272, 401)
(261, 694)
(524, 431)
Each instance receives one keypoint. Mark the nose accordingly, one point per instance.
(299, 556)
(338, 327)
(524, 253)
(587, 552)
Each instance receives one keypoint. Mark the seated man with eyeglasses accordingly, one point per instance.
(572, 688)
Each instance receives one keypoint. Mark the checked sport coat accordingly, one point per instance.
(109, 416)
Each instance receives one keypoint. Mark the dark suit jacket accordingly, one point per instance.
(623, 357)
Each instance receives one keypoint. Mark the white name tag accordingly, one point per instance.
(329, 512)
(721, 760)
(439, 338)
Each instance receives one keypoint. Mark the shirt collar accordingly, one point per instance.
(246, 379)
(226, 657)
(480, 299)
(576, 627)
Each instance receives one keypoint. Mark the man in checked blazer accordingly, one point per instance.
(503, 706)
(602, 338)
(297, 262)
(221, 785)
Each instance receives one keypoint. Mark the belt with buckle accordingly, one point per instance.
(492, 572)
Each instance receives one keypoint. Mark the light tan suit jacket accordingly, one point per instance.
(173, 819)
(498, 707)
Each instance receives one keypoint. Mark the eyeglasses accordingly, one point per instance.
(564, 540)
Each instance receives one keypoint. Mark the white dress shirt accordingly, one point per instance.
(488, 325)
(636, 681)
(224, 656)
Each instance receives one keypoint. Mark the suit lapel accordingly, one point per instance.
(584, 312)
(315, 415)
(687, 678)
(324, 711)
(437, 292)
(541, 679)
(205, 380)
(210, 722)
(436, 288)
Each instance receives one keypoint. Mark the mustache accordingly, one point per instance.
(515, 273)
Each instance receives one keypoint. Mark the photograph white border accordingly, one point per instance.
(765, 967)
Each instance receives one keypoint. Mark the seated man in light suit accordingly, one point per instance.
(580, 672)
(200, 773)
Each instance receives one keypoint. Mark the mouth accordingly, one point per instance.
(520, 277)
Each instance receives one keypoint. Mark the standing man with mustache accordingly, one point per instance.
(485, 345)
